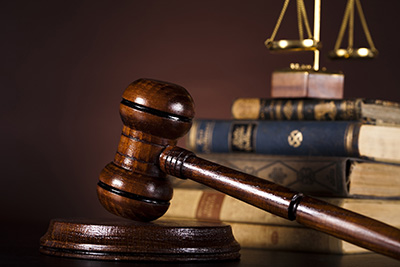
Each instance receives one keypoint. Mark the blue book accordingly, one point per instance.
(301, 138)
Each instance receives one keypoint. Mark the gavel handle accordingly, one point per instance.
(322, 216)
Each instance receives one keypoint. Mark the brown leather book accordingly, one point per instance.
(318, 176)
(371, 111)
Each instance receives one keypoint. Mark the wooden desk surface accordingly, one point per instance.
(20, 247)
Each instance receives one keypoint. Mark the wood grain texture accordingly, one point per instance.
(163, 240)
(306, 84)
(155, 114)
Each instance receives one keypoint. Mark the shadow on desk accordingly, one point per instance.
(20, 247)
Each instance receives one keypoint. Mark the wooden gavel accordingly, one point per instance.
(155, 114)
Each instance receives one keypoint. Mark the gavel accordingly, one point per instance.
(135, 185)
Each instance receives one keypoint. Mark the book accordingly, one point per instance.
(301, 138)
(286, 238)
(317, 176)
(369, 111)
(209, 204)
(255, 228)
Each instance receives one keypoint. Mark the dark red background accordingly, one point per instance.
(65, 64)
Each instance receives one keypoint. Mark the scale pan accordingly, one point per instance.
(360, 53)
(292, 45)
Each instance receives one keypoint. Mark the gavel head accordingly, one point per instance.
(154, 115)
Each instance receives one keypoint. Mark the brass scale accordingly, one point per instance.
(312, 41)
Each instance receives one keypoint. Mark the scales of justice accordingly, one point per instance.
(135, 185)
(302, 80)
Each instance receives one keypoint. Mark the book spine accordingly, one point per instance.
(211, 205)
(273, 237)
(307, 138)
(318, 176)
(297, 109)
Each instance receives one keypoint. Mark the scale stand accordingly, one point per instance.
(303, 81)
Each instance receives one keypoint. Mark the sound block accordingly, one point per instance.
(161, 240)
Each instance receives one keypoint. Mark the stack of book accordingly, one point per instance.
(346, 152)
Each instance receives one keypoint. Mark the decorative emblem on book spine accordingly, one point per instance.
(250, 170)
(295, 138)
(325, 111)
(351, 110)
(288, 110)
(277, 175)
(242, 137)
(306, 176)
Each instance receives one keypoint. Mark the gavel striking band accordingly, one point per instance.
(155, 114)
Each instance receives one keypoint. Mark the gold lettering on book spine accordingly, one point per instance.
(242, 138)
(204, 137)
